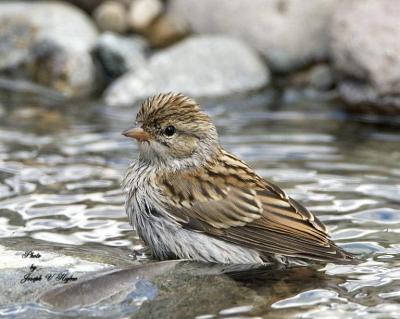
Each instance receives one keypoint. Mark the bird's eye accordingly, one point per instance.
(169, 130)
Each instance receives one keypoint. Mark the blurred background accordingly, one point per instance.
(125, 50)
(307, 92)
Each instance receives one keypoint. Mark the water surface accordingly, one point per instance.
(60, 173)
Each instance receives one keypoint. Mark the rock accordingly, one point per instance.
(184, 293)
(36, 46)
(366, 50)
(111, 16)
(16, 38)
(118, 54)
(39, 280)
(289, 33)
(23, 90)
(87, 5)
(14, 269)
(363, 98)
(212, 66)
(320, 77)
(165, 30)
(161, 29)
(92, 290)
(143, 12)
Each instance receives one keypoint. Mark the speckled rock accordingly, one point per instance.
(366, 51)
(16, 38)
(212, 66)
(36, 46)
(289, 33)
(119, 54)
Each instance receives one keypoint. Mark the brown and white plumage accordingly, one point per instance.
(189, 198)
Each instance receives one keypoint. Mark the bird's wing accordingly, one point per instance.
(226, 199)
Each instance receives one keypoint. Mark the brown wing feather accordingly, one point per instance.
(228, 200)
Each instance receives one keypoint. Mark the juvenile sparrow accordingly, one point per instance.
(188, 198)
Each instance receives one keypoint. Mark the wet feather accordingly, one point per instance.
(190, 198)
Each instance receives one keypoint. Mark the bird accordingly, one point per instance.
(189, 198)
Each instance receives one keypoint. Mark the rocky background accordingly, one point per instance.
(126, 50)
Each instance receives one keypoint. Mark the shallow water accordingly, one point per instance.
(60, 170)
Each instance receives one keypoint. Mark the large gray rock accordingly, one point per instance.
(366, 52)
(49, 43)
(289, 33)
(212, 66)
(79, 283)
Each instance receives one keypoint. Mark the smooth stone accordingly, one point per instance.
(142, 290)
(103, 286)
(87, 5)
(119, 54)
(30, 91)
(319, 77)
(45, 51)
(322, 77)
(289, 33)
(366, 52)
(111, 16)
(202, 66)
(13, 268)
(364, 98)
(16, 38)
(143, 12)
(165, 30)
(188, 292)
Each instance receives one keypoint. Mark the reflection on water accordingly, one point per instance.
(60, 171)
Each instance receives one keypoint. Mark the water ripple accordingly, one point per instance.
(60, 184)
(308, 298)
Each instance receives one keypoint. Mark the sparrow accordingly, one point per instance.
(189, 198)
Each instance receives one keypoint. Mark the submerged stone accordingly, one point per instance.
(25, 274)
(106, 287)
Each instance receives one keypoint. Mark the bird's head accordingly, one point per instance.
(173, 131)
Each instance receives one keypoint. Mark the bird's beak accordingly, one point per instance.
(137, 133)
